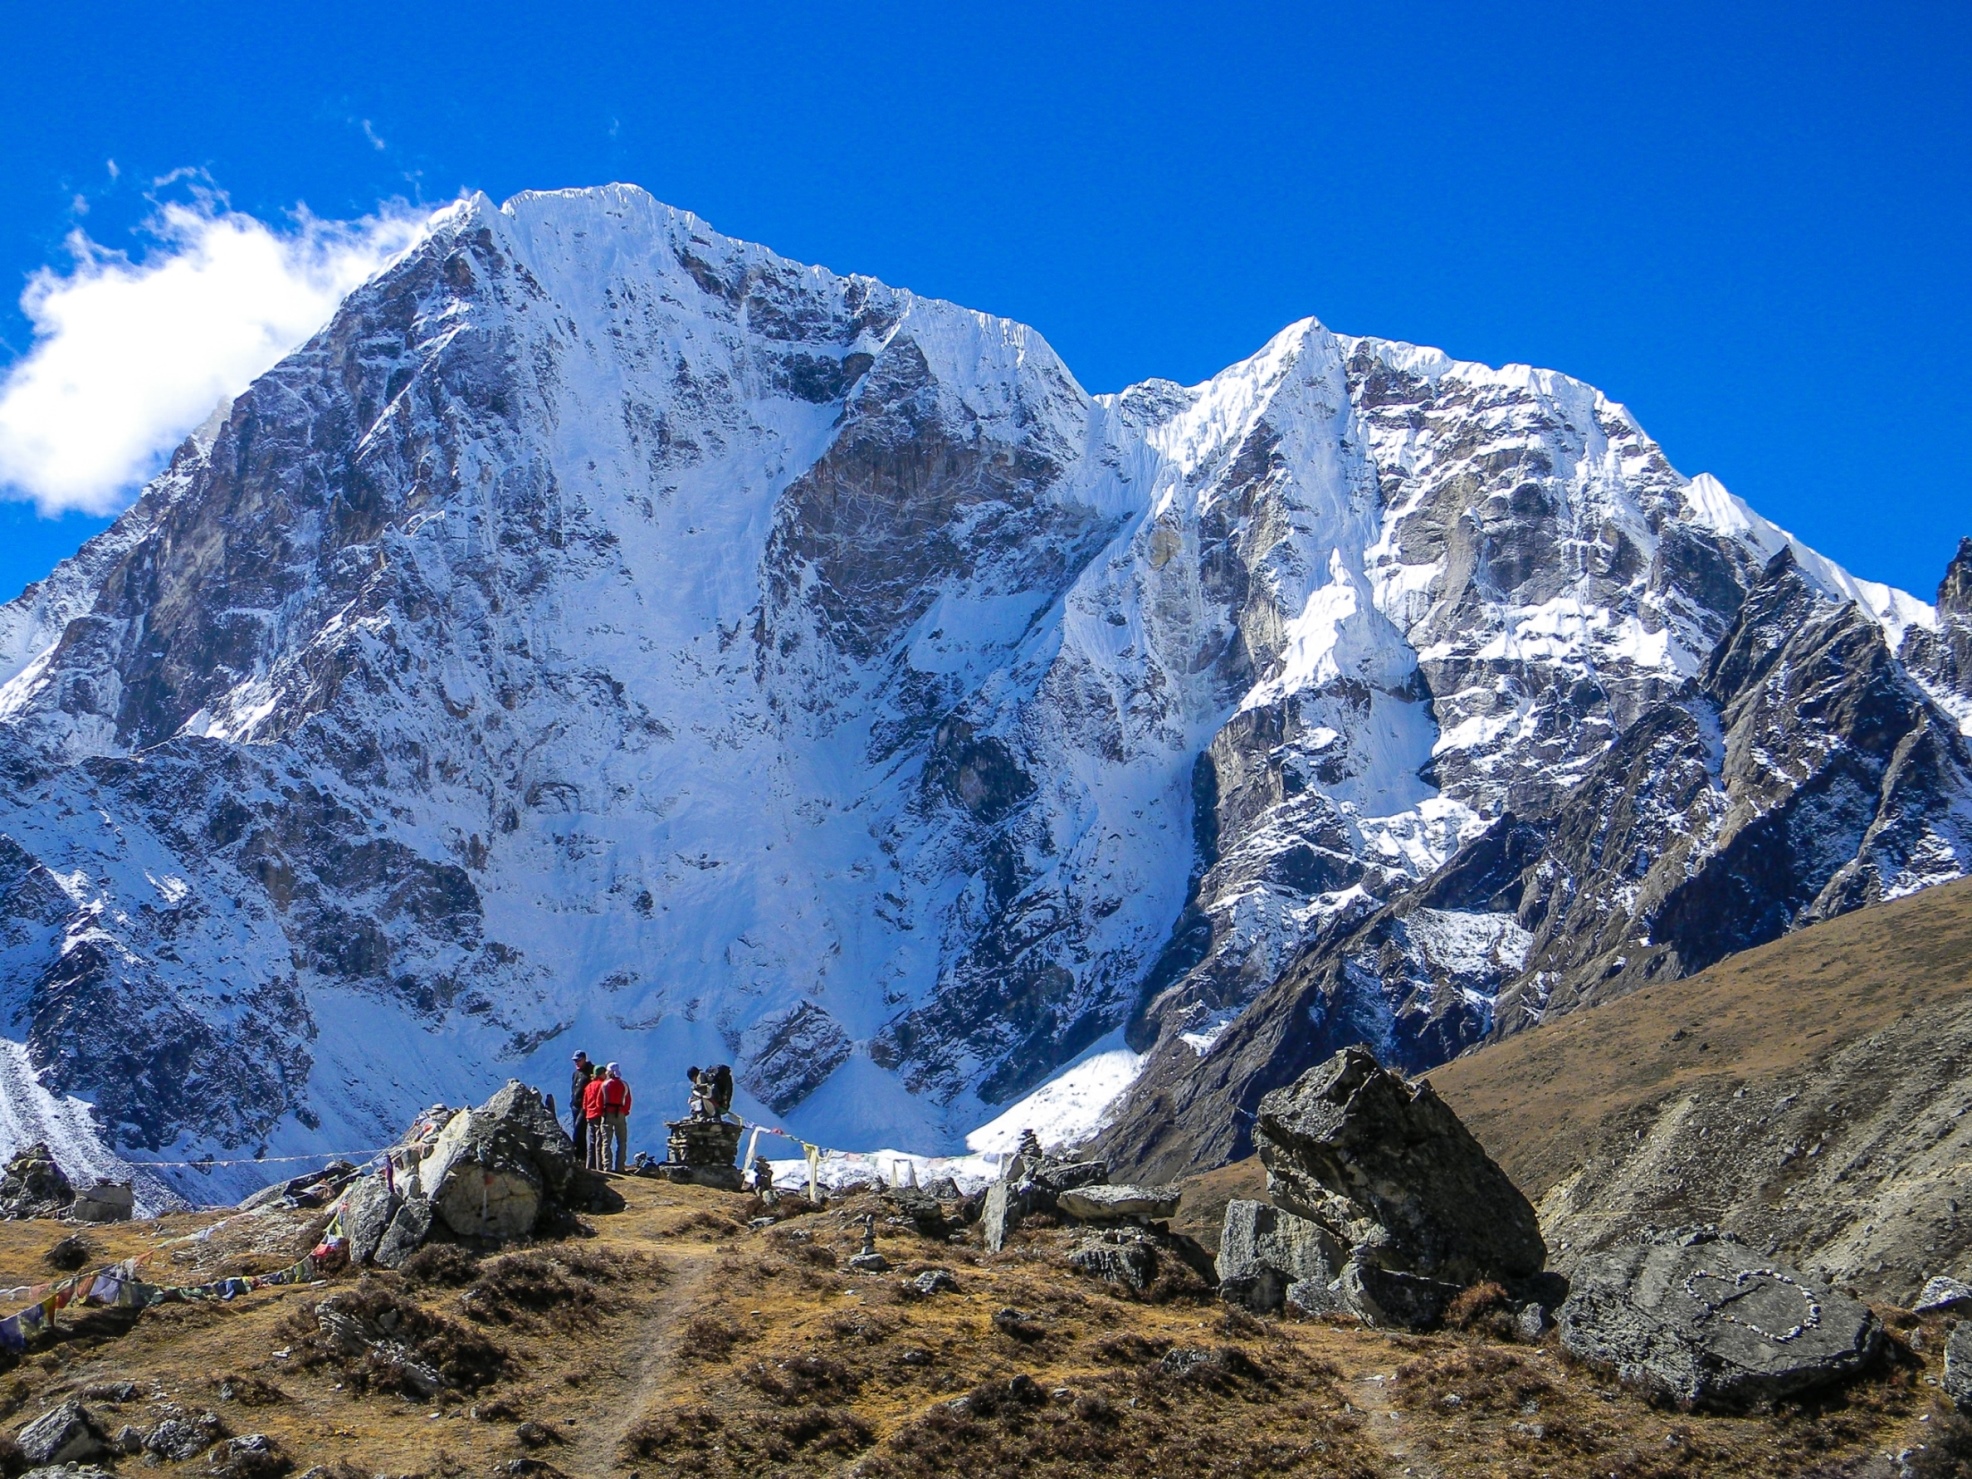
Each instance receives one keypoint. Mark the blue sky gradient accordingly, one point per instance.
(1751, 223)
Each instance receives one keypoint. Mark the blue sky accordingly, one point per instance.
(1753, 224)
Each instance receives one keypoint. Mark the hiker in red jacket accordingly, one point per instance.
(592, 1113)
(616, 1118)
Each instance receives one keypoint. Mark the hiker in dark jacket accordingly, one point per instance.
(722, 1090)
(578, 1085)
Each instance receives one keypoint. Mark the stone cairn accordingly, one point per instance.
(703, 1149)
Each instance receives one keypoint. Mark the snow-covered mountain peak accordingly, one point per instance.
(606, 631)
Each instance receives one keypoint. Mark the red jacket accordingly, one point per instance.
(616, 1096)
(592, 1098)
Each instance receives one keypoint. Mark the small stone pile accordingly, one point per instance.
(34, 1186)
(1127, 1233)
(1383, 1205)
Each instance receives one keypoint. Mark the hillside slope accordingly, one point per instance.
(1813, 1095)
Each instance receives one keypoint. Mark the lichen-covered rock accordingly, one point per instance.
(1943, 1293)
(1388, 1170)
(410, 1226)
(1708, 1321)
(1264, 1253)
(1392, 1298)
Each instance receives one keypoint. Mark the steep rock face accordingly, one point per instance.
(1800, 774)
(606, 633)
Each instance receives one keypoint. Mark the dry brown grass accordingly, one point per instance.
(1537, 1100)
(675, 1340)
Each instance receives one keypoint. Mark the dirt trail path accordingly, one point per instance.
(1385, 1425)
(645, 1359)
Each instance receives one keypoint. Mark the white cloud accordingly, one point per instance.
(129, 357)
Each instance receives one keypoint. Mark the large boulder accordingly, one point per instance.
(492, 1172)
(1389, 1171)
(1709, 1322)
(33, 1185)
(1263, 1252)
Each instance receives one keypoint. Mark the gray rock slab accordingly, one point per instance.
(1000, 1215)
(1943, 1293)
(1124, 1260)
(1710, 1322)
(410, 1227)
(1101, 1203)
(1958, 1366)
(61, 1435)
(1263, 1252)
(366, 1215)
(1060, 1176)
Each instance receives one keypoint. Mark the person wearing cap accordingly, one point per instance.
(578, 1086)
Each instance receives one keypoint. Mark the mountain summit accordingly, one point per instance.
(609, 634)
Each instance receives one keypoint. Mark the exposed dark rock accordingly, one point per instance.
(1707, 1321)
(177, 1439)
(410, 1227)
(1120, 1256)
(935, 1281)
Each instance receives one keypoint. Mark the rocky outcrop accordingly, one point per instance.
(65, 1434)
(499, 1170)
(1709, 1322)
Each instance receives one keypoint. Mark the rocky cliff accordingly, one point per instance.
(606, 633)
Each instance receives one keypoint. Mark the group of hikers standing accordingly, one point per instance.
(599, 1104)
(599, 1108)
